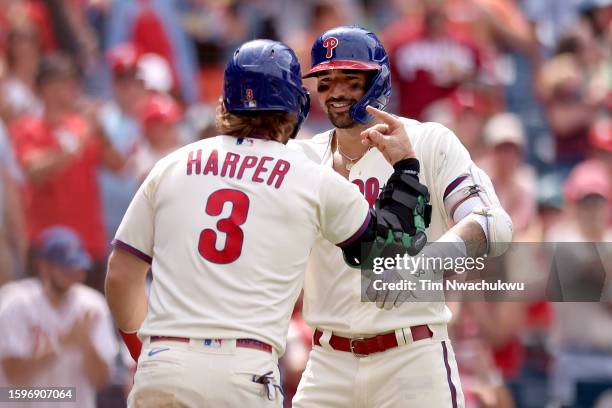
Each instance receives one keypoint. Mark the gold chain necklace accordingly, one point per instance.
(351, 161)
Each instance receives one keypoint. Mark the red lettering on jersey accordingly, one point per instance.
(370, 189)
(197, 160)
(248, 163)
(280, 170)
(261, 169)
(359, 183)
(330, 43)
(231, 159)
(212, 165)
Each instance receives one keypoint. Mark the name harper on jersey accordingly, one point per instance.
(234, 165)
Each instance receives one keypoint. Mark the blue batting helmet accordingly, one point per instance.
(264, 75)
(355, 48)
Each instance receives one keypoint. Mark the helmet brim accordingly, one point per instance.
(342, 64)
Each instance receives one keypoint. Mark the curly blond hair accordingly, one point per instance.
(277, 126)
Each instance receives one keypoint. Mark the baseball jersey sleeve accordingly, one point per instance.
(136, 231)
(451, 161)
(344, 212)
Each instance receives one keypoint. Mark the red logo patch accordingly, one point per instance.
(330, 43)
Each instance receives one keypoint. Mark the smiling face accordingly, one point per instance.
(338, 90)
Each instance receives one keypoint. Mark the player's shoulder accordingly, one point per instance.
(183, 152)
(202, 144)
(314, 148)
(318, 139)
(19, 294)
(428, 129)
(19, 287)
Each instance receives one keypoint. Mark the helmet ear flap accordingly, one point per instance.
(304, 102)
(379, 85)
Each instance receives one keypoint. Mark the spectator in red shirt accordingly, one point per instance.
(59, 152)
(428, 59)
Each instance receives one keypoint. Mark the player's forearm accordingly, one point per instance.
(472, 234)
(125, 290)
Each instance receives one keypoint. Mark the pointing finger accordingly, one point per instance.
(381, 127)
(389, 119)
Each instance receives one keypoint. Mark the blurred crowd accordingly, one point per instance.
(94, 92)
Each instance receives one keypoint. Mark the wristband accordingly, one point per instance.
(409, 166)
(133, 343)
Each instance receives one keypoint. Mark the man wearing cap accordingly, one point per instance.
(57, 332)
(158, 115)
(400, 356)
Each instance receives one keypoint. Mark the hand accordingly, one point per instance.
(43, 347)
(389, 137)
(79, 333)
(90, 110)
(384, 297)
(409, 281)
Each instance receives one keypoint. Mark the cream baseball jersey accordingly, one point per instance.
(332, 290)
(228, 225)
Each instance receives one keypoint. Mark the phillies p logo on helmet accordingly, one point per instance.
(329, 44)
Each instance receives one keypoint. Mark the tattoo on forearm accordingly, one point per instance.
(472, 234)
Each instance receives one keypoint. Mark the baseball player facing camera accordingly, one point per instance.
(376, 354)
(226, 225)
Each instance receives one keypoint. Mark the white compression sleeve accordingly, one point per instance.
(466, 208)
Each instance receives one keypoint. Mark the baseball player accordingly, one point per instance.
(364, 356)
(226, 225)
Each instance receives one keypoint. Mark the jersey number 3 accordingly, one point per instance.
(230, 226)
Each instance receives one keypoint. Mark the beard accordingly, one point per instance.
(341, 120)
(59, 289)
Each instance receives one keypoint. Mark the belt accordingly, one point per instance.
(244, 343)
(362, 347)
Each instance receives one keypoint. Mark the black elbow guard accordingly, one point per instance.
(401, 214)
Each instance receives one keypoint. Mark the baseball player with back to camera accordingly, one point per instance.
(372, 354)
(226, 225)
